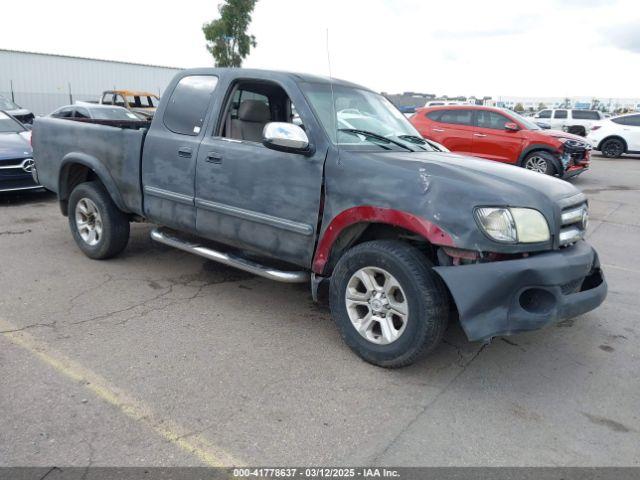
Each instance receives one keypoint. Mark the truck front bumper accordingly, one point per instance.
(511, 296)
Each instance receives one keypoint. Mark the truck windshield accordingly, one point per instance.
(357, 110)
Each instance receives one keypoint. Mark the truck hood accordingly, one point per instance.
(488, 179)
(14, 145)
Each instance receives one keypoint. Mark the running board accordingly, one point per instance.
(167, 238)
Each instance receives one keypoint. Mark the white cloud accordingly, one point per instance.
(493, 47)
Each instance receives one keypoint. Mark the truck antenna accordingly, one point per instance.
(333, 98)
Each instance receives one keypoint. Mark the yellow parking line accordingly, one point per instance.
(138, 411)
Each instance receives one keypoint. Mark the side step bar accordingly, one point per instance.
(162, 236)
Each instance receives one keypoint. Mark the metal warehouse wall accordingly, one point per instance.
(42, 82)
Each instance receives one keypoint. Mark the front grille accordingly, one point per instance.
(574, 222)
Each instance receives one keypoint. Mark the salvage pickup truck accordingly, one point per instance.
(406, 236)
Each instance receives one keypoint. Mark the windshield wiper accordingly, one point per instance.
(377, 136)
(415, 139)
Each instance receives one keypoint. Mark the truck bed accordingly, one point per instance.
(110, 150)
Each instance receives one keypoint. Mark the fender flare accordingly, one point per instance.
(97, 168)
(370, 214)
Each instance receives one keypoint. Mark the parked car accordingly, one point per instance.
(504, 136)
(16, 158)
(575, 121)
(439, 103)
(617, 135)
(16, 111)
(91, 111)
(396, 229)
(143, 103)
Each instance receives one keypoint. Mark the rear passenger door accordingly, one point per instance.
(453, 128)
(560, 119)
(170, 153)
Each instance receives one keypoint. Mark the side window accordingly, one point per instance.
(585, 115)
(435, 116)
(560, 114)
(493, 120)
(188, 104)
(458, 117)
(66, 112)
(119, 100)
(545, 114)
(107, 99)
(630, 120)
(82, 113)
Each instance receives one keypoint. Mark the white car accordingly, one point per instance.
(617, 135)
(575, 121)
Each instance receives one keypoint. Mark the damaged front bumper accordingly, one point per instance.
(511, 296)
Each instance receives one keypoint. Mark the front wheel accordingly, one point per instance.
(541, 162)
(99, 228)
(388, 303)
(612, 148)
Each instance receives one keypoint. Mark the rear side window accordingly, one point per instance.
(545, 114)
(560, 114)
(491, 120)
(188, 104)
(435, 116)
(458, 117)
(585, 115)
(631, 120)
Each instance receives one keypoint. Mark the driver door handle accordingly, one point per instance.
(479, 135)
(438, 130)
(185, 152)
(213, 157)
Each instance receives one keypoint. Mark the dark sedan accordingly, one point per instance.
(16, 157)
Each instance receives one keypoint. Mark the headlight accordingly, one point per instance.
(523, 225)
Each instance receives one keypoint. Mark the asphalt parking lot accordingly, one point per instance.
(162, 358)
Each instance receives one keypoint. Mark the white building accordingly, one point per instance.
(532, 103)
(43, 82)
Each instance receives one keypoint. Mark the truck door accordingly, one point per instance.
(253, 197)
(170, 153)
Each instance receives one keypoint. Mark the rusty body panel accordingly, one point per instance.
(294, 207)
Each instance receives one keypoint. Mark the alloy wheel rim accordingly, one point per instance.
(536, 164)
(613, 149)
(377, 305)
(88, 221)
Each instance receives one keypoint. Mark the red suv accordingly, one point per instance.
(504, 136)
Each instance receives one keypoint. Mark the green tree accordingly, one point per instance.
(518, 108)
(227, 38)
(542, 106)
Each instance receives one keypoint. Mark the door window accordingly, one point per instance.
(585, 115)
(82, 113)
(493, 120)
(107, 99)
(544, 114)
(630, 120)
(188, 104)
(560, 114)
(458, 117)
(66, 112)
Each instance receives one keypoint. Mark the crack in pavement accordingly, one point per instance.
(35, 325)
(376, 459)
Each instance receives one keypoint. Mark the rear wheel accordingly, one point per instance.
(612, 148)
(99, 228)
(541, 162)
(388, 303)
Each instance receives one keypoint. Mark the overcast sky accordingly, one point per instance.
(453, 47)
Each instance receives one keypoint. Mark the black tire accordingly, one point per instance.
(115, 224)
(426, 297)
(612, 147)
(533, 162)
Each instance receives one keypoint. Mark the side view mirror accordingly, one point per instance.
(511, 126)
(285, 137)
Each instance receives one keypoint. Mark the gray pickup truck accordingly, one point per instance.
(299, 178)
